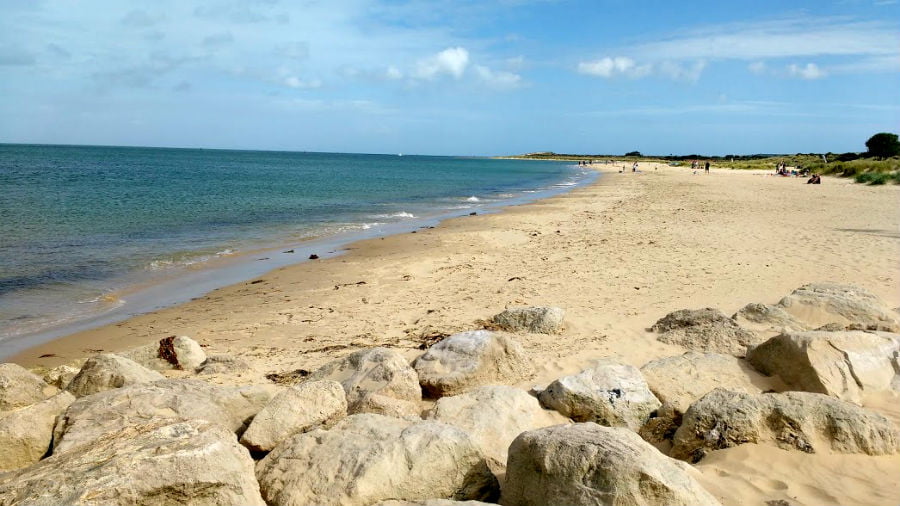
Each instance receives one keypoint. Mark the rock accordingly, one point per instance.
(161, 462)
(542, 320)
(25, 434)
(660, 428)
(90, 418)
(822, 303)
(494, 416)
(172, 352)
(376, 370)
(767, 319)
(609, 393)
(387, 406)
(295, 409)
(19, 387)
(107, 371)
(433, 502)
(222, 364)
(470, 359)
(683, 379)
(793, 421)
(704, 330)
(839, 364)
(369, 458)
(61, 375)
(587, 464)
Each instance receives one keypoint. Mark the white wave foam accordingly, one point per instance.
(401, 214)
(473, 198)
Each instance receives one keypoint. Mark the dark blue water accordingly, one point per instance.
(80, 225)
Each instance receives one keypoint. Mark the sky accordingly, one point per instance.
(464, 77)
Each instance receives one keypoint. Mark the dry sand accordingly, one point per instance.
(616, 255)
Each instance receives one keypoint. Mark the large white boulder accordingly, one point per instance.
(821, 303)
(588, 464)
(19, 387)
(369, 458)
(494, 416)
(295, 409)
(163, 462)
(683, 379)
(706, 329)
(107, 371)
(376, 370)
(469, 359)
(173, 352)
(25, 434)
(793, 421)
(92, 417)
(542, 320)
(609, 393)
(839, 364)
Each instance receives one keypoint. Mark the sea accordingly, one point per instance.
(90, 235)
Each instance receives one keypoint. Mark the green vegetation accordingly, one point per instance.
(877, 166)
(883, 145)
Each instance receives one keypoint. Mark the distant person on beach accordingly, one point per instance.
(815, 179)
(634, 167)
(707, 167)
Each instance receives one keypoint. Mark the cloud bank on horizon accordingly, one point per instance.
(467, 77)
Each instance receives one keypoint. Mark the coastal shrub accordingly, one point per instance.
(863, 177)
(883, 145)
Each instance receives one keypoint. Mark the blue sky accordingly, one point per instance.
(458, 78)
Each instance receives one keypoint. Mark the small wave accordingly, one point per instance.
(473, 198)
(367, 226)
(401, 214)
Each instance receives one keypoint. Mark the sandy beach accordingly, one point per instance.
(616, 255)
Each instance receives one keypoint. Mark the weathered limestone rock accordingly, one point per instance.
(90, 418)
(162, 462)
(107, 371)
(494, 416)
(470, 359)
(433, 502)
(61, 375)
(542, 320)
(295, 409)
(660, 428)
(609, 393)
(839, 364)
(222, 364)
(587, 464)
(767, 319)
(376, 370)
(683, 379)
(25, 434)
(369, 458)
(822, 303)
(704, 330)
(19, 387)
(387, 406)
(173, 352)
(793, 420)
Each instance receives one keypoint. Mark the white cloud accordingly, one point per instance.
(808, 71)
(452, 61)
(611, 67)
(393, 73)
(623, 66)
(679, 72)
(500, 80)
(296, 82)
(757, 67)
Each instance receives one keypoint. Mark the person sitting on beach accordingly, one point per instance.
(815, 179)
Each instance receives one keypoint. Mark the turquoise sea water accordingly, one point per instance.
(80, 226)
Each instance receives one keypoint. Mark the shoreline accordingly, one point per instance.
(446, 279)
(195, 282)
